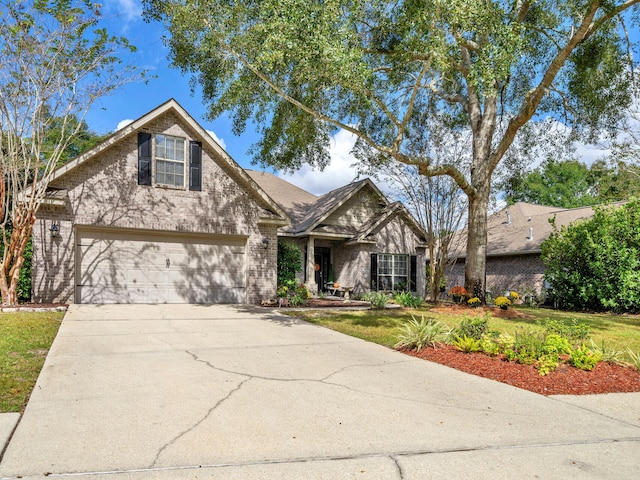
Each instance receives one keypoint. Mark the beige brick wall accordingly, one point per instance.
(103, 192)
(352, 263)
(522, 273)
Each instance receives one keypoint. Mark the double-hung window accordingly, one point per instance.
(169, 161)
(393, 272)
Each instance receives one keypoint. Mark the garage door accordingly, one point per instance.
(116, 266)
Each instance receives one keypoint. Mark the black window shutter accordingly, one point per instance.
(195, 166)
(374, 272)
(144, 158)
(413, 274)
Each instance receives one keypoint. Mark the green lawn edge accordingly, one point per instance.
(25, 340)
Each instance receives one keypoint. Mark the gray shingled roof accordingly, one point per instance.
(524, 229)
(305, 209)
(295, 201)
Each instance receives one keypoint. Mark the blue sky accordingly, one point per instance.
(123, 17)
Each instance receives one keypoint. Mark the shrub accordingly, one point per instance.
(609, 355)
(594, 264)
(467, 344)
(473, 327)
(547, 363)
(584, 358)
(416, 334)
(575, 332)
(406, 299)
(557, 344)
(289, 262)
(489, 345)
(635, 358)
(378, 300)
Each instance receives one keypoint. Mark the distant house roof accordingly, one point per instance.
(521, 228)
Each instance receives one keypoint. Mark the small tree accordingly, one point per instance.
(595, 264)
(289, 261)
(54, 64)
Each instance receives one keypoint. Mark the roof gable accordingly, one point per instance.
(223, 157)
(330, 202)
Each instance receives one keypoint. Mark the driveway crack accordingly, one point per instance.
(209, 412)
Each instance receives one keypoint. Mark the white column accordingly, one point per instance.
(311, 266)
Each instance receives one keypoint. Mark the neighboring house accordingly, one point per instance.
(352, 236)
(514, 237)
(158, 212)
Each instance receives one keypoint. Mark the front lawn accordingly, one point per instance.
(381, 326)
(25, 339)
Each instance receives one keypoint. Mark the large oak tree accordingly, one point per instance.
(303, 68)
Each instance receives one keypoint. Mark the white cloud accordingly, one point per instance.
(219, 141)
(123, 123)
(130, 10)
(338, 173)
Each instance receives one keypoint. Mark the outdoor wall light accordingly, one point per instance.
(55, 230)
(265, 242)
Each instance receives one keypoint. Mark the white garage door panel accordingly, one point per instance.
(134, 267)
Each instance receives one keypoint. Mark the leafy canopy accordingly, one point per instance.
(302, 68)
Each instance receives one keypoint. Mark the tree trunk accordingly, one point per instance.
(476, 262)
(434, 278)
(13, 258)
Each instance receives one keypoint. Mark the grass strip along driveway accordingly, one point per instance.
(25, 339)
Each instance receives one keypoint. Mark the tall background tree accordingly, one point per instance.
(55, 61)
(302, 69)
(571, 184)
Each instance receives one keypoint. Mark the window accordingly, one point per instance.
(169, 161)
(393, 272)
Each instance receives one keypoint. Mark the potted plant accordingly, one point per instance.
(502, 302)
(458, 293)
(474, 302)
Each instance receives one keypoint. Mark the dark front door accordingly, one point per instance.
(322, 258)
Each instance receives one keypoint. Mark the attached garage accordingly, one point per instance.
(132, 266)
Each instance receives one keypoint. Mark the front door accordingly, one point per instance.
(322, 258)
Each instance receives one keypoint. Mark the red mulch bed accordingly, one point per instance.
(566, 380)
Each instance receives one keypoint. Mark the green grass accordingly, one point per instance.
(617, 331)
(25, 339)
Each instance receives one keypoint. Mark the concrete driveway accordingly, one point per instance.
(225, 392)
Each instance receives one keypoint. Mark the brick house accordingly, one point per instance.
(158, 212)
(514, 237)
(352, 236)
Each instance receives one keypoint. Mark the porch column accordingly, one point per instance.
(311, 266)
